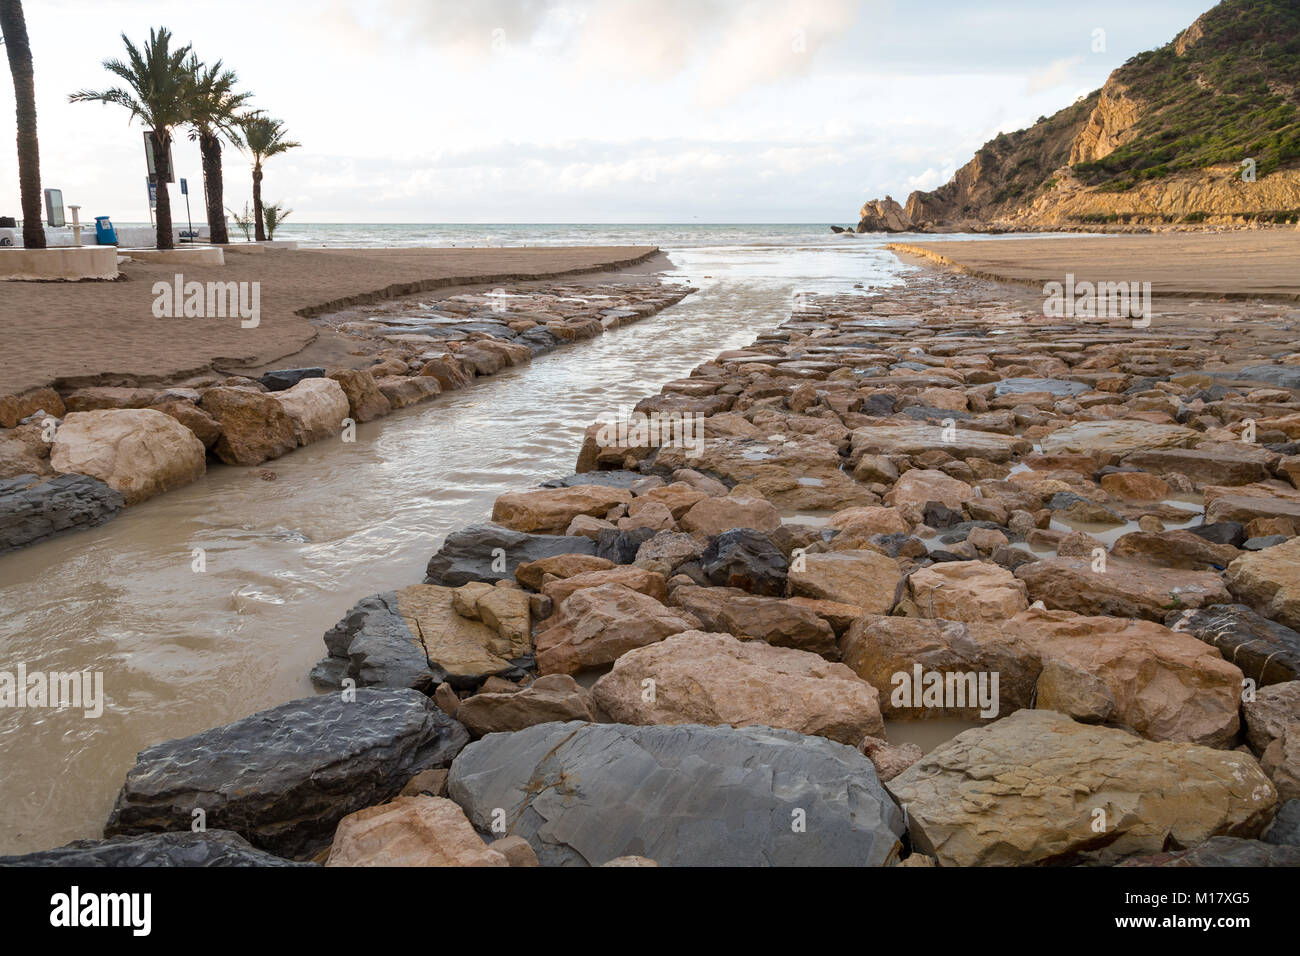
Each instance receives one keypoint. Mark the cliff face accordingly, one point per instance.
(1162, 141)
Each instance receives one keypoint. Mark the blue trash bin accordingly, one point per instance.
(105, 234)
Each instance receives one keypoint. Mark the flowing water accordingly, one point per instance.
(181, 650)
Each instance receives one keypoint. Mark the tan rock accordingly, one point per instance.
(703, 678)
(516, 850)
(14, 408)
(597, 625)
(1269, 581)
(919, 439)
(866, 579)
(919, 486)
(463, 648)
(550, 510)
(1122, 590)
(365, 401)
(678, 497)
(101, 397)
(532, 574)
(24, 451)
(254, 426)
(867, 521)
(1135, 486)
(411, 831)
(781, 623)
(203, 425)
(967, 591)
(1118, 437)
(403, 390)
(137, 451)
(650, 583)
(1174, 549)
(1281, 761)
(317, 408)
(890, 759)
(1269, 713)
(553, 697)
(712, 516)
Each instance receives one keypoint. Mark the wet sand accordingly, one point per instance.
(105, 333)
(1236, 265)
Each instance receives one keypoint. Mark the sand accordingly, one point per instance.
(1235, 265)
(105, 333)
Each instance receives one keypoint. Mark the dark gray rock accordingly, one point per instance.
(1222, 532)
(283, 778)
(961, 531)
(1260, 544)
(1224, 851)
(1012, 558)
(879, 405)
(928, 413)
(747, 559)
(284, 378)
(33, 509)
(183, 848)
(1054, 386)
(621, 546)
(1285, 828)
(1283, 376)
(468, 555)
(687, 795)
(1265, 650)
(610, 479)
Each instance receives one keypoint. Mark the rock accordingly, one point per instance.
(14, 408)
(446, 698)
(532, 574)
(772, 620)
(1117, 437)
(254, 426)
(487, 552)
(316, 407)
(431, 782)
(404, 390)
(203, 425)
(33, 508)
(550, 510)
(1174, 549)
(1223, 851)
(1266, 652)
(1023, 789)
(516, 851)
(681, 795)
(1122, 590)
(621, 547)
(365, 401)
(884, 215)
(1076, 508)
(286, 378)
(1281, 761)
(861, 523)
(184, 848)
(138, 452)
(713, 516)
(960, 443)
(549, 698)
(1248, 508)
(447, 372)
(1221, 463)
(378, 644)
(919, 487)
(410, 831)
(867, 579)
(678, 497)
(1269, 581)
(597, 625)
(889, 760)
(1221, 532)
(1284, 831)
(967, 591)
(701, 678)
(746, 559)
(887, 651)
(667, 551)
(24, 451)
(284, 777)
(630, 861)
(650, 583)
(1268, 715)
(98, 398)
(1059, 388)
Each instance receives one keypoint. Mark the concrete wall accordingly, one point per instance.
(88, 262)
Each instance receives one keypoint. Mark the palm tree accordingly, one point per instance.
(157, 93)
(213, 109)
(14, 27)
(264, 137)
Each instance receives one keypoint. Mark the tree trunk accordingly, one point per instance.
(162, 165)
(14, 27)
(260, 234)
(210, 148)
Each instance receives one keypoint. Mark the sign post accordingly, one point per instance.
(153, 196)
(185, 191)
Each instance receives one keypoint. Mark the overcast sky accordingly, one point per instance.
(583, 110)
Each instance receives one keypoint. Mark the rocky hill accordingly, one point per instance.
(1165, 141)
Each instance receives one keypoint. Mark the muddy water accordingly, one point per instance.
(181, 651)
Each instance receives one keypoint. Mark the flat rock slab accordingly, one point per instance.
(1122, 590)
(1266, 652)
(489, 552)
(1235, 463)
(34, 508)
(1053, 386)
(378, 644)
(584, 794)
(1269, 581)
(183, 848)
(1023, 789)
(919, 439)
(284, 777)
(1117, 437)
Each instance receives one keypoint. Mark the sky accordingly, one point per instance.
(582, 110)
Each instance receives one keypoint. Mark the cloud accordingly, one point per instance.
(1057, 74)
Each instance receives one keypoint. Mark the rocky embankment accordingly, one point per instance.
(1076, 536)
(74, 459)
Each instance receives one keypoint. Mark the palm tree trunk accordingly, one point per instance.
(210, 148)
(260, 234)
(162, 165)
(14, 27)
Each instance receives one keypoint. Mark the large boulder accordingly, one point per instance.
(746, 559)
(1221, 463)
(776, 621)
(680, 795)
(1266, 652)
(866, 579)
(1039, 788)
(182, 848)
(701, 678)
(14, 408)
(597, 625)
(254, 426)
(966, 591)
(418, 830)
(1122, 590)
(415, 638)
(550, 698)
(316, 407)
(1269, 713)
(919, 439)
(1269, 581)
(1117, 437)
(34, 508)
(137, 451)
(365, 401)
(283, 778)
(713, 516)
(488, 552)
(550, 510)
